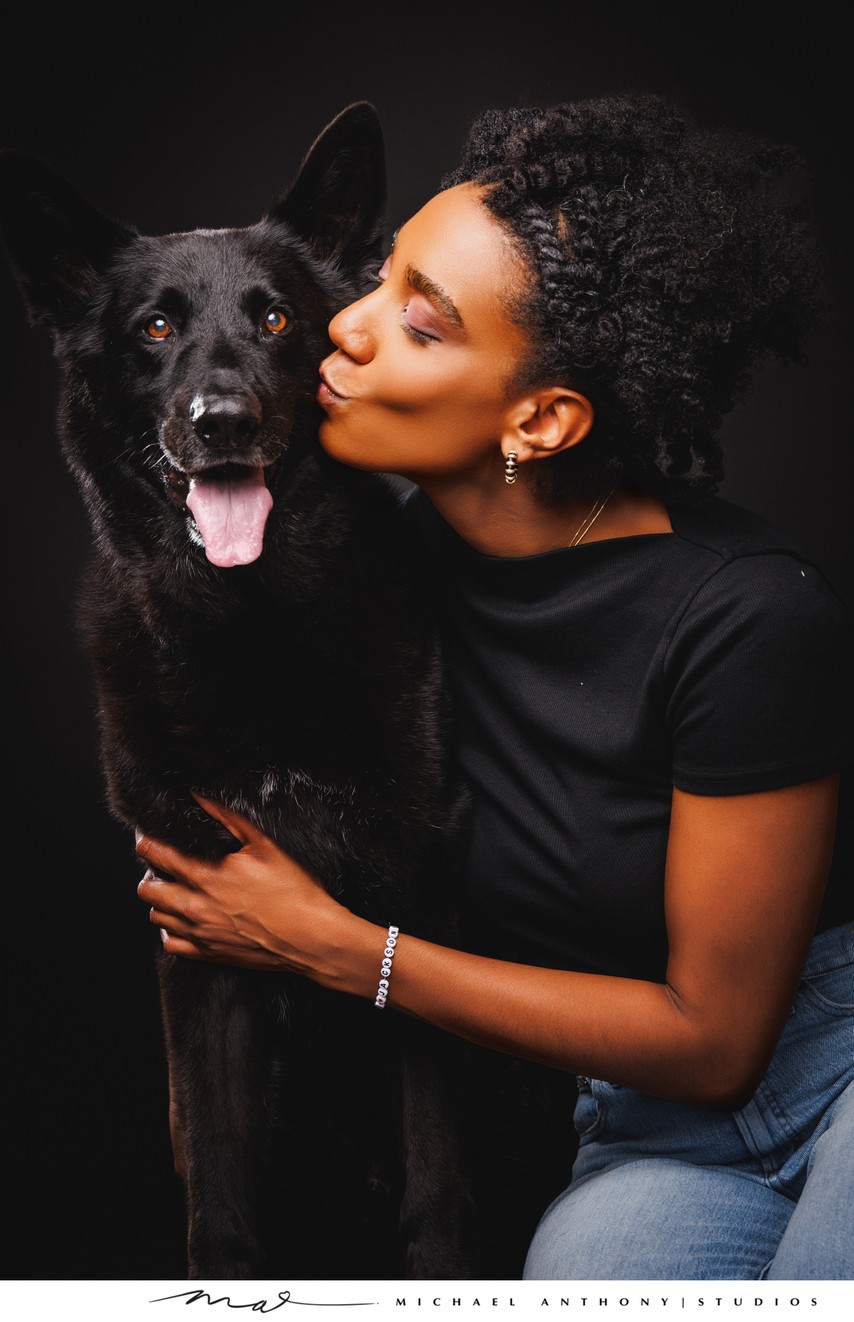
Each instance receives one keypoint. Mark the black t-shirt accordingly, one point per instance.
(591, 680)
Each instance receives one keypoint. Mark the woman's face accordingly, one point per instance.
(417, 384)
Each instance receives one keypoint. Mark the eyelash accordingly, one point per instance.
(420, 337)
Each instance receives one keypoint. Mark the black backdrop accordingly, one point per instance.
(196, 116)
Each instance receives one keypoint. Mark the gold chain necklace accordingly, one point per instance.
(594, 514)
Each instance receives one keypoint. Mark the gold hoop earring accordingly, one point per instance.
(510, 468)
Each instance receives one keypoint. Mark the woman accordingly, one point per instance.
(650, 687)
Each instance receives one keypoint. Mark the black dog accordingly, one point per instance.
(256, 627)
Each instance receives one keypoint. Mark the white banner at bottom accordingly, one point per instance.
(406, 1301)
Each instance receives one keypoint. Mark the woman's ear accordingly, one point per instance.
(544, 422)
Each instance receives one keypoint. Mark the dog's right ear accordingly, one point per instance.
(58, 243)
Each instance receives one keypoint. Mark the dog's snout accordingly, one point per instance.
(226, 422)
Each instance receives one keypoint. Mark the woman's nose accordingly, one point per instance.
(349, 333)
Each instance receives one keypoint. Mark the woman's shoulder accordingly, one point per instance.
(757, 661)
(747, 553)
(761, 603)
(730, 530)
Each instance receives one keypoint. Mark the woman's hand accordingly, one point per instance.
(256, 908)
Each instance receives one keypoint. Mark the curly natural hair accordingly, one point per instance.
(669, 260)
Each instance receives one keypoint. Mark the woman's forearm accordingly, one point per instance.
(625, 1030)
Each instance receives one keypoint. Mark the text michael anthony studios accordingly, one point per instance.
(164, 1301)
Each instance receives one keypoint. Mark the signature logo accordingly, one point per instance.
(282, 1297)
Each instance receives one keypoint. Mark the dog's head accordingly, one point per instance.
(190, 359)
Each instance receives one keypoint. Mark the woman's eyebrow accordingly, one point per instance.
(422, 284)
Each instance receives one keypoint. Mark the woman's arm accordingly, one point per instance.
(744, 880)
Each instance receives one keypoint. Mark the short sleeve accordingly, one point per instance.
(758, 677)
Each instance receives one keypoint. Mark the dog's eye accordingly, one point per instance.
(158, 328)
(275, 321)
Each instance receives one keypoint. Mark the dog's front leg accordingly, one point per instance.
(218, 1053)
(436, 1214)
(176, 1131)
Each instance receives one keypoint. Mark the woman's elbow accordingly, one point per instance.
(729, 1094)
(722, 1067)
(730, 1076)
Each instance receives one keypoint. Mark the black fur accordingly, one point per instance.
(304, 689)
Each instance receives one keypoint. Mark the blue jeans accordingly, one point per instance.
(665, 1191)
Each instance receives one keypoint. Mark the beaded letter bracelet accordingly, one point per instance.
(385, 971)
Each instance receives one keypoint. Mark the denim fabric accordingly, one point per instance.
(666, 1191)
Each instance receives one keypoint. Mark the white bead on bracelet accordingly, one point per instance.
(385, 970)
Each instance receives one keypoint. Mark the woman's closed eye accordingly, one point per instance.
(419, 324)
(416, 318)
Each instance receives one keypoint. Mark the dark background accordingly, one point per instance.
(197, 116)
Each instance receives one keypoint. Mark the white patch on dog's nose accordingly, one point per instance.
(197, 407)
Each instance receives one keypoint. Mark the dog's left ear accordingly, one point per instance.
(337, 201)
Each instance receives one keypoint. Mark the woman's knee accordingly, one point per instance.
(658, 1220)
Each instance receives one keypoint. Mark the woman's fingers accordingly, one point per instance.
(168, 922)
(240, 827)
(177, 945)
(165, 858)
(175, 933)
(165, 897)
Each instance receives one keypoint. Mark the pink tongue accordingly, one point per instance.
(230, 515)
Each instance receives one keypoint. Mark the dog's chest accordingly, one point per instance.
(268, 693)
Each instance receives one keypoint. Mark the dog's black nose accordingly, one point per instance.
(226, 422)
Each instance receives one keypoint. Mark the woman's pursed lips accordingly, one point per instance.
(327, 391)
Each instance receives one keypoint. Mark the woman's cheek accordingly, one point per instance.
(354, 443)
